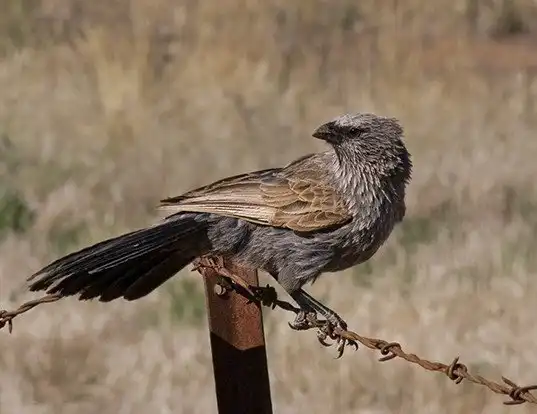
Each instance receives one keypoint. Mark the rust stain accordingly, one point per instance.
(231, 317)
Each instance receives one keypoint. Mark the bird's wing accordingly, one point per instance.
(296, 197)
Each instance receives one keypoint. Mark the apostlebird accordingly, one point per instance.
(323, 212)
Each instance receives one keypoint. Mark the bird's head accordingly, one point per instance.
(367, 138)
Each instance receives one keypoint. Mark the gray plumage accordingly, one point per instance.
(324, 212)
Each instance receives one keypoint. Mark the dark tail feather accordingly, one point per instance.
(142, 286)
(111, 285)
(131, 265)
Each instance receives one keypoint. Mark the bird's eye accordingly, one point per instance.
(356, 130)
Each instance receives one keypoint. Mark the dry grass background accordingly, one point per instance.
(106, 107)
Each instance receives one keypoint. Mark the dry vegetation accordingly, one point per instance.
(106, 107)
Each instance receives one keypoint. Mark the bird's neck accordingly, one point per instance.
(365, 188)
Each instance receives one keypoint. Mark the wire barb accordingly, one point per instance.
(6, 317)
(452, 371)
(516, 392)
(387, 351)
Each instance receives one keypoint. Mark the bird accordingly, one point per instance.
(321, 213)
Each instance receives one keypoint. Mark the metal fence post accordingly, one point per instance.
(238, 347)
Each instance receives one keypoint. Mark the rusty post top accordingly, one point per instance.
(231, 317)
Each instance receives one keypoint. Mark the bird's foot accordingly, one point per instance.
(304, 320)
(331, 328)
(266, 295)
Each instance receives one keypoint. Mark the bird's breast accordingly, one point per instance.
(360, 239)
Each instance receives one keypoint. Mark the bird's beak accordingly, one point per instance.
(325, 133)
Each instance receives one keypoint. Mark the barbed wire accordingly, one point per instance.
(455, 371)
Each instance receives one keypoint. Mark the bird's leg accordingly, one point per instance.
(323, 310)
(306, 318)
(308, 303)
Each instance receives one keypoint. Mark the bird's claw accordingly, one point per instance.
(328, 331)
(342, 343)
(322, 337)
(304, 321)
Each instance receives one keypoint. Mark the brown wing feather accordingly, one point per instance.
(295, 197)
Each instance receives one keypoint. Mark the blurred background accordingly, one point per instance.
(108, 106)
